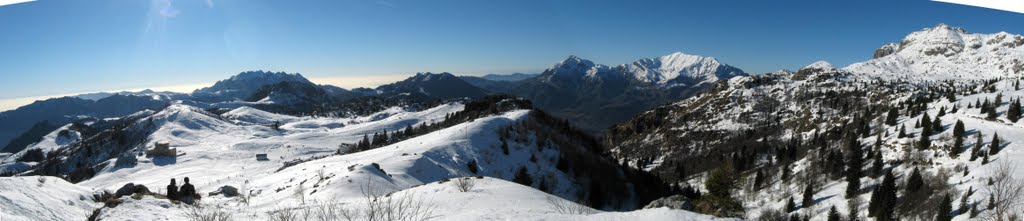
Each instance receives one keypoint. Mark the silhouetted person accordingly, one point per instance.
(187, 192)
(172, 190)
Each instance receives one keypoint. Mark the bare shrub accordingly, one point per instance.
(331, 211)
(769, 214)
(567, 207)
(1007, 192)
(206, 213)
(285, 214)
(300, 193)
(464, 184)
(383, 206)
(377, 205)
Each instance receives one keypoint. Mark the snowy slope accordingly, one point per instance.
(219, 150)
(1011, 134)
(44, 198)
(516, 202)
(52, 141)
(211, 147)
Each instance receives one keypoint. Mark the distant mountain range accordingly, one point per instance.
(592, 96)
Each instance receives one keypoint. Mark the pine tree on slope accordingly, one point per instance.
(993, 147)
(833, 215)
(945, 208)
(853, 168)
(808, 196)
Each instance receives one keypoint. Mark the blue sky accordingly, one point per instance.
(50, 47)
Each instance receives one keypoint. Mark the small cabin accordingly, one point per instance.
(162, 150)
(262, 157)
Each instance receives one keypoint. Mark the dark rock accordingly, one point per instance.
(131, 188)
(228, 191)
(673, 202)
(127, 189)
(885, 50)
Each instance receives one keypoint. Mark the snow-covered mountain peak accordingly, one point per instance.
(428, 76)
(267, 76)
(244, 84)
(940, 40)
(824, 65)
(946, 52)
(574, 66)
(666, 69)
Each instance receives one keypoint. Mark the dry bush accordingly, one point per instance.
(300, 193)
(383, 206)
(206, 213)
(769, 214)
(331, 211)
(464, 184)
(377, 205)
(566, 207)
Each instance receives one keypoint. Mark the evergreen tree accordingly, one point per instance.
(795, 217)
(977, 146)
(993, 147)
(758, 179)
(790, 206)
(985, 106)
(891, 118)
(719, 185)
(903, 132)
(364, 144)
(808, 196)
(937, 125)
(473, 167)
(963, 202)
(942, 112)
(926, 124)
(523, 177)
(974, 210)
(833, 215)
(721, 181)
(883, 199)
(945, 208)
(958, 129)
(854, 210)
(854, 164)
(914, 182)
(877, 165)
(924, 142)
(786, 172)
(1013, 112)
